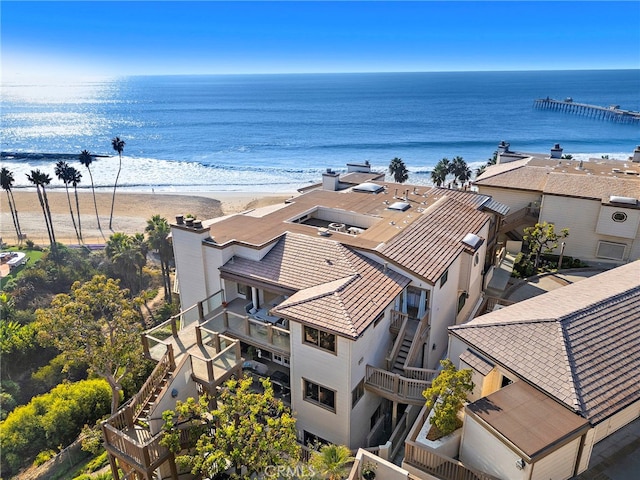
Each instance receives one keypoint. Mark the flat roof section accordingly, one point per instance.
(531, 421)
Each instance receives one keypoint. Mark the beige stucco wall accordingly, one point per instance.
(515, 199)
(617, 421)
(581, 216)
(558, 465)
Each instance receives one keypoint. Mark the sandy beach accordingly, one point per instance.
(131, 212)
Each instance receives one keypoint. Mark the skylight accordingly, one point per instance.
(472, 241)
(399, 206)
(368, 187)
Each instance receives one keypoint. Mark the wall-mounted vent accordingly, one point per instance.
(368, 187)
(399, 206)
(623, 200)
(613, 251)
(472, 241)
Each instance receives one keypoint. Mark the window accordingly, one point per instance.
(319, 395)
(443, 278)
(462, 299)
(378, 319)
(324, 340)
(242, 289)
(357, 393)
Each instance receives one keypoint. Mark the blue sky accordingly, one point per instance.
(146, 38)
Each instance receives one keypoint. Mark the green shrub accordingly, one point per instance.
(49, 420)
(43, 457)
(98, 462)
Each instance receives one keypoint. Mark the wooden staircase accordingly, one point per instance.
(142, 418)
(398, 365)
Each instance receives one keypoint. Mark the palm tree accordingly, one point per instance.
(398, 169)
(76, 177)
(331, 461)
(460, 170)
(63, 173)
(6, 179)
(40, 180)
(125, 255)
(440, 172)
(86, 159)
(118, 145)
(158, 237)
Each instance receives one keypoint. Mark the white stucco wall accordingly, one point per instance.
(482, 451)
(617, 421)
(189, 259)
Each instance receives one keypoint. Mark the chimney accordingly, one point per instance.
(330, 180)
(636, 155)
(556, 151)
(359, 167)
(503, 147)
(180, 219)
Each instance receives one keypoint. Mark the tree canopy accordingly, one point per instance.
(98, 325)
(446, 395)
(542, 238)
(398, 170)
(248, 430)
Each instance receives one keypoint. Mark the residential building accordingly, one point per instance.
(554, 375)
(597, 200)
(346, 290)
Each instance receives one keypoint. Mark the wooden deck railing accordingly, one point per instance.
(397, 319)
(395, 387)
(441, 466)
(164, 366)
(395, 349)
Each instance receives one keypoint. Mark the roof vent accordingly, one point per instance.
(624, 200)
(399, 206)
(472, 241)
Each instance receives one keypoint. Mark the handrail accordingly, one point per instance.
(164, 366)
(397, 318)
(235, 345)
(396, 386)
(416, 341)
(395, 349)
(444, 467)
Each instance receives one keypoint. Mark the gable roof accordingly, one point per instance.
(579, 343)
(431, 243)
(335, 288)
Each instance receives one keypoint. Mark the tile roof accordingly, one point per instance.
(579, 343)
(431, 243)
(335, 288)
(531, 421)
(595, 179)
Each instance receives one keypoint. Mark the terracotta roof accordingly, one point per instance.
(596, 179)
(579, 343)
(429, 245)
(336, 288)
(534, 423)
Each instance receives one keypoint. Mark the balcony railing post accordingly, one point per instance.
(172, 359)
(225, 319)
(198, 335)
(216, 342)
(147, 457)
(247, 326)
(210, 376)
(200, 312)
(238, 351)
(174, 326)
(145, 345)
(270, 334)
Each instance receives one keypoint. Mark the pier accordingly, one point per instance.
(613, 113)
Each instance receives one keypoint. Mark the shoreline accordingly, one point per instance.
(131, 211)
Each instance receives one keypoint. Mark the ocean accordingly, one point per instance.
(270, 133)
